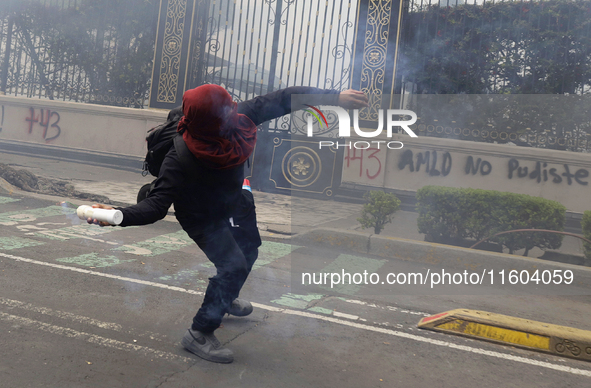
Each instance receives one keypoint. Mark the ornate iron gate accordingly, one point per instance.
(253, 47)
(80, 51)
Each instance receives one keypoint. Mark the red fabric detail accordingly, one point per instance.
(214, 131)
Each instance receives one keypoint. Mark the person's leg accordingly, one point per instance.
(232, 269)
(246, 234)
(233, 248)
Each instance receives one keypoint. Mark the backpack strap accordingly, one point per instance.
(181, 149)
(187, 159)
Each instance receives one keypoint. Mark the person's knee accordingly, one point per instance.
(241, 269)
(236, 269)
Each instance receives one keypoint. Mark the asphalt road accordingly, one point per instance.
(84, 306)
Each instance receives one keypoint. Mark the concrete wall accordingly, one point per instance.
(106, 134)
(66, 127)
(558, 175)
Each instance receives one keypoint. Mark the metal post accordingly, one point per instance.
(261, 165)
(5, 63)
(275, 47)
(36, 61)
(198, 54)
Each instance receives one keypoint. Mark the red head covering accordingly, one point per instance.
(214, 131)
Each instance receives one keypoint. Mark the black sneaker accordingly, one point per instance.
(240, 308)
(206, 346)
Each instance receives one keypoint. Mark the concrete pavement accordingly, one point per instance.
(315, 222)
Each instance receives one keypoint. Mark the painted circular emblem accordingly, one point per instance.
(301, 166)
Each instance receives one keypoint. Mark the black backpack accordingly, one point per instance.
(160, 139)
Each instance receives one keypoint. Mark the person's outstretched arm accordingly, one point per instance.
(156, 205)
(278, 103)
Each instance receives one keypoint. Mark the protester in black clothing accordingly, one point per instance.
(210, 204)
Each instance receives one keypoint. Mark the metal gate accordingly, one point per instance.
(96, 52)
(253, 47)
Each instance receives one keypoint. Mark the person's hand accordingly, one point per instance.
(353, 99)
(95, 221)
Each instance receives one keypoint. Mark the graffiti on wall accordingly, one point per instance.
(45, 122)
(440, 164)
(540, 172)
(429, 159)
(370, 165)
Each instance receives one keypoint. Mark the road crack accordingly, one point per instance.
(265, 318)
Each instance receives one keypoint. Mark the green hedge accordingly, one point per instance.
(586, 226)
(452, 214)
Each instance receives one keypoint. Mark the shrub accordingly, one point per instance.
(452, 214)
(378, 210)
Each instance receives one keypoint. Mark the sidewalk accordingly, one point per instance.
(274, 211)
(279, 216)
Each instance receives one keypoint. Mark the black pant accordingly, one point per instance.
(232, 246)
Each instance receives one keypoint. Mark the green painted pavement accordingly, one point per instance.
(9, 243)
(76, 231)
(93, 260)
(14, 217)
(8, 199)
(301, 302)
(320, 310)
(269, 251)
(159, 245)
(186, 277)
(296, 301)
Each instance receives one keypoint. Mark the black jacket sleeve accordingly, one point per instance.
(166, 188)
(278, 103)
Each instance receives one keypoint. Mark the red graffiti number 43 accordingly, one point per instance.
(370, 154)
(47, 120)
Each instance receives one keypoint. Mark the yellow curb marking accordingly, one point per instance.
(545, 337)
(497, 334)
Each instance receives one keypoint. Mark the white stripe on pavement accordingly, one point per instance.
(78, 318)
(390, 308)
(105, 275)
(94, 339)
(60, 314)
(504, 356)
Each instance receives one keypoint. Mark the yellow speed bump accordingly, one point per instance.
(545, 337)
